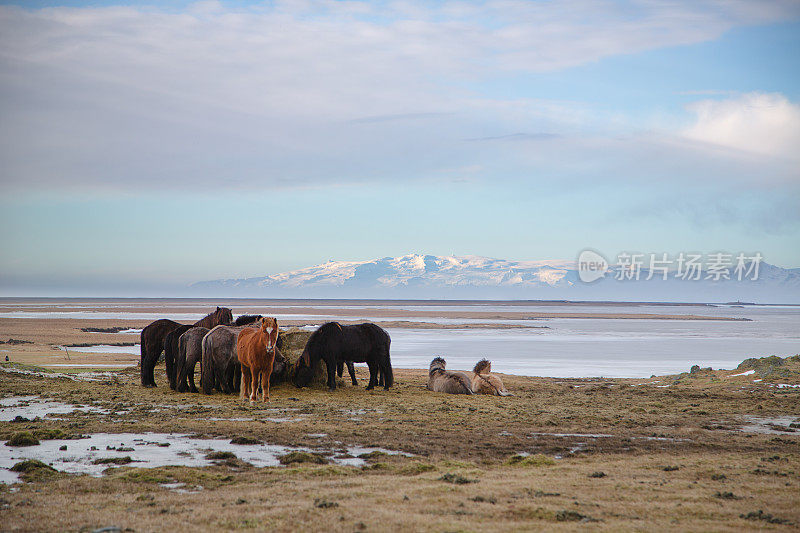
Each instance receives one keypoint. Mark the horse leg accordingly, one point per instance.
(254, 383)
(265, 375)
(169, 359)
(245, 382)
(340, 368)
(148, 364)
(373, 371)
(331, 367)
(190, 376)
(351, 369)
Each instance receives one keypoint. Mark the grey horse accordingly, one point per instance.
(441, 380)
(220, 366)
(190, 352)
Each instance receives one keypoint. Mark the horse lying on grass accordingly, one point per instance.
(336, 345)
(255, 349)
(485, 383)
(479, 381)
(441, 380)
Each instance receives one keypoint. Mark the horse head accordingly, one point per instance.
(437, 364)
(269, 327)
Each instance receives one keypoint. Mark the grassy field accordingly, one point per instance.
(603, 454)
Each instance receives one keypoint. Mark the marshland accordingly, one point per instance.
(702, 449)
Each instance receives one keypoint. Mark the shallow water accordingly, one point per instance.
(103, 348)
(31, 407)
(569, 348)
(148, 450)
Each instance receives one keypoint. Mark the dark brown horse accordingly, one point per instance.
(334, 344)
(154, 334)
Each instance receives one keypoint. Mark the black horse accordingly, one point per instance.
(154, 335)
(246, 320)
(336, 344)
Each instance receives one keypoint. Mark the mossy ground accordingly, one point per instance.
(640, 434)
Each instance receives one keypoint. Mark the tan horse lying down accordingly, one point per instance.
(485, 383)
(441, 380)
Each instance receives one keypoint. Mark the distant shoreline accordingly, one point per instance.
(376, 301)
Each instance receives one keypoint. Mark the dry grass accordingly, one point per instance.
(721, 472)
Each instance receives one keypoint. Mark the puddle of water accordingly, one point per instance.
(181, 488)
(96, 365)
(786, 385)
(83, 376)
(156, 449)
(104, 348)
(31, 407)
(586, 435)
(764, 425)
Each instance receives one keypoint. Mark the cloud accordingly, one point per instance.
(518, 137)
(753, 123)
(278, 94)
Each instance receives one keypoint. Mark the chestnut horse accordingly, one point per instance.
(255, 349)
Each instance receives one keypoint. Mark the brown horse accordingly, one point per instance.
(485, 383)
(255, 349)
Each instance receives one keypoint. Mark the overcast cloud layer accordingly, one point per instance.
(299, 94)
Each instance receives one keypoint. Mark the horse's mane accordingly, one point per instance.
(221, 315)
(483, 366)
(437, 364)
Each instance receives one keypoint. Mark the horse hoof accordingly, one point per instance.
(370, 387)
(331, 389)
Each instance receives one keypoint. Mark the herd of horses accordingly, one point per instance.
(243, 355)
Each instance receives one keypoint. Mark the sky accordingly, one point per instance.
(144, 147)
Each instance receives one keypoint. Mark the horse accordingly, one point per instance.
(255, 349)
(219, 368)
(359, 343)
(172, 353)
(190, 352)
(441, 380)
(246, 320)
(154, 334)
(485, 383)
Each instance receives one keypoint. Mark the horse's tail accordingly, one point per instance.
(389, 376)
(143, 356)
(387, 360)
(206, 374)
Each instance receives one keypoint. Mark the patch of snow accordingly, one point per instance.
(748, 373)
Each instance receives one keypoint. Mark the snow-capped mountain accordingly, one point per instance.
(417, 276)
